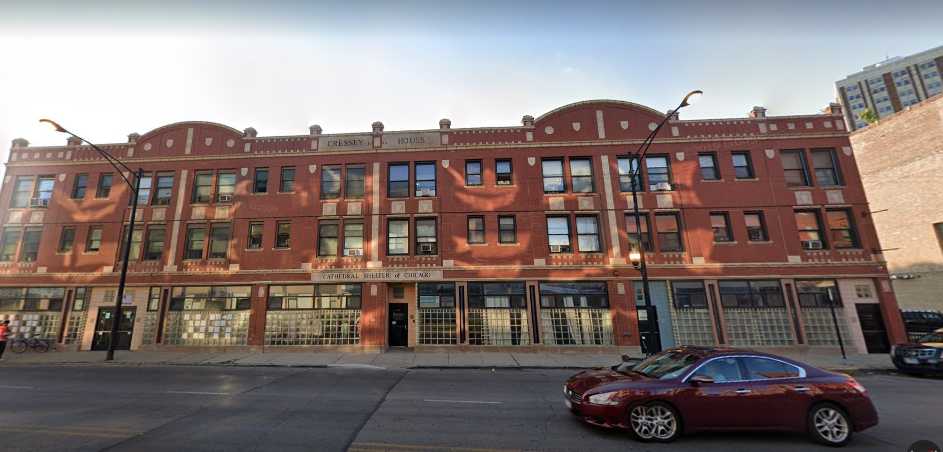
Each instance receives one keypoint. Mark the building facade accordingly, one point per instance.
(900, 159)
(487, 237)
(890, 86)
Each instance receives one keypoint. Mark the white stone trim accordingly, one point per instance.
(610, 207)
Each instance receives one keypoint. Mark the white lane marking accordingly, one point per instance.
(197, 393)
(15, 387)
(357, 366)
(481, 402)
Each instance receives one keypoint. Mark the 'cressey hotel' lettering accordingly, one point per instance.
(346, 142)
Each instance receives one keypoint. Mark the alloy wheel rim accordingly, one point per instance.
(653, 422)
(831, 425)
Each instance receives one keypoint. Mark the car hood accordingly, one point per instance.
(589, 379)
(913, 345)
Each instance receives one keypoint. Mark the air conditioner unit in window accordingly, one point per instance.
(812, 244)
(224, 198)
(662, 186)
(355, 252)
(559, 248)
(39, 202)
(426, 248)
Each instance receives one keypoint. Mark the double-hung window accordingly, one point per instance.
(104, 185)
(476, 229)
(154, 245)
(81, 184)
(503, 172)
(658, 171)
(397, 180)
(552, 170)
(93, 242)
(202, 187)
(9, 242)
(29, 250)
(794, 168)
(742, 165)
(841, 228)
(507, 229)
(44, 186)
(558, 234)
(425, 179)
(810, 229)
(627, 167)
(426, 237)
(165, 189)
(353, 238)
(137, 238)
(219, 240)
(756, 226)
(581, 175)
(145, 184)
(355, 181)
(825, 165)
(327, 238)
(587, 234)
(473, 172)
(330, 182)
(708, 164)
(260, 180)
(66, 239)
(287, 182)
(720, 225)
(196, 241)
(397, 236)
(225, 186)
(283, 234)
(668, 228)
(632, 228)
(22, 191)
(254, 241)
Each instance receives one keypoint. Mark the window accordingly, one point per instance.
(22, 190)
(225, 186)
(425, 179)
(219, 241)
(794, 169)
(472, 172)
(93, 242)
(355, 182)
(327, 238)
(397, 237)
(291, 297)
(154, 246)
(104, 185)
(721, 370)
(210, 298)
(818, 294)
(66, 239)
(283, 234)
(287, 182)
(260, 181)
(337, 296)
(153, 299)
(841, 228)
(496, 295)
(574, 295)
(552, 170)
(254, 242)
(558, 234)
(658, 170)
(689, 294)
(80, 300)
(669, 232)
(145, 183)
(708, 164)
(31, 299)
(397, 180)
(44, 187)
(476, 229)
(503, 172)
(81, 183)
(330, 182)
(29, 250)
(632, 230)
(810, 229)
(825, 165)
(751, 294)
(202, 187)
(437, 295)
(137, 238)
(353, 239)
(581, 175)
(507, 229)
(196, 242)
(8, 243)
(756, 226)
(587, 234)
(766, 369)
(426, 242)
(627, 167)
(720, 225)
(165, 189)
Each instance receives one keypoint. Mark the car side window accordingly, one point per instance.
(721, 370)
(764, 369)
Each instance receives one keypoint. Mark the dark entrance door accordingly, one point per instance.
(103, 328)
(649, 335)
(398, 325)
(872, 328)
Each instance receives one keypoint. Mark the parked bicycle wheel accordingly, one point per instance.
(18, 346)
(41, 346)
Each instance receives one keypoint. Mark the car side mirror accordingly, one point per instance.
(701, 380)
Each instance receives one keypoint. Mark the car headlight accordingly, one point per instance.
(604, 398)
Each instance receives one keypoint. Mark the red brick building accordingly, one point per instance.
(504, 236)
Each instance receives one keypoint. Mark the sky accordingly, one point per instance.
(105, 69)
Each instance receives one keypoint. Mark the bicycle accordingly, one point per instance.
(20, 345)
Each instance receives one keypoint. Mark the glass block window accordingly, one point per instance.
(210, 298)
(436, 314)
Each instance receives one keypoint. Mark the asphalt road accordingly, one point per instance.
(178, 408)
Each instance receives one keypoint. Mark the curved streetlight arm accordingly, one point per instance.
(647, 143)
(117, 164)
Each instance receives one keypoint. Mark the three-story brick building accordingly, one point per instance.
(503, 236)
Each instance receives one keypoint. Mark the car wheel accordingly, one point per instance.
(655, 421)
(829, 425)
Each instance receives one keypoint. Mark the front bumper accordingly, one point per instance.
(608, 416)
(920, 366)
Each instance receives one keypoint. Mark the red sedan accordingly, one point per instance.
(692, 389)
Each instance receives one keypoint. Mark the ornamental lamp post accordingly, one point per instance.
(637, 254)
(121, 168)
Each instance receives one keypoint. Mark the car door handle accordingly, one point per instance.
(801, 388)
(743, 391)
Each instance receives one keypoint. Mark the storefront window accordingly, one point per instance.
(210, 298)
(574, 295)
(575, 313)
(436, 314)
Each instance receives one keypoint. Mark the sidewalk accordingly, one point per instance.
(403, 359)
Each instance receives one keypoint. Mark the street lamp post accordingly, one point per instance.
(831, 307)
(637, 256)
(126, 249)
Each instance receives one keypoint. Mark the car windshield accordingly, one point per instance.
(667, 364)
(932, 337)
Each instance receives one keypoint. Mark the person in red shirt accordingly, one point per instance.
(4, 331)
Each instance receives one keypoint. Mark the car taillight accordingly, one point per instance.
(856, 386)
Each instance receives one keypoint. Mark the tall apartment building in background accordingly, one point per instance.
(513, 236)
(890, 86)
